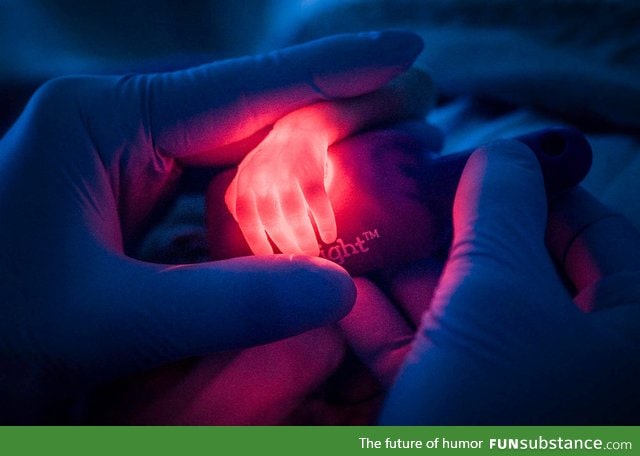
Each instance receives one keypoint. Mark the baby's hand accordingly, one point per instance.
(279, 189)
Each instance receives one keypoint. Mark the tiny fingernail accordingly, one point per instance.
(328, 237)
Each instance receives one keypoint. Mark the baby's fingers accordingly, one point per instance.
(273, 220)
(251, 225)
(322, 212)
(297, 218)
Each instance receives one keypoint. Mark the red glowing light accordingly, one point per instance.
(280, 192)
(279, 189)
(381, 220)
(329, 173)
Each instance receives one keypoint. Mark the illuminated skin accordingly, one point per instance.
(280, 187)
(374, 189)
(383, 188)
(85, 166)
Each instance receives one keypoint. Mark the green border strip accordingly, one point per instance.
(326, 441)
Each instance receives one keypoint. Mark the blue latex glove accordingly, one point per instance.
(82, 170)
(284, 377)
(503, 341)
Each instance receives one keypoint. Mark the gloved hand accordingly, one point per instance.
(82, 170)
(502, 341)
(288, 378)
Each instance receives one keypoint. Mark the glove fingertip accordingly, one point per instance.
(366, 62)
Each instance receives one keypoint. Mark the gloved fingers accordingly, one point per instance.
(499, 212)
(620, 290)
(496, 295)
(622, 317)
(498, 253)
(377, 332)
(408, 96)
(196, 111)
(157, 314)
(588, 240)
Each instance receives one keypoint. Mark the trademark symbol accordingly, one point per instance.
(369, 235)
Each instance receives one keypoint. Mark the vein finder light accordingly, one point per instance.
(392, 205)
(279, 193)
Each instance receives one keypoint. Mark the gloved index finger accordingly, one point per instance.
(588, 240)
(195, 111)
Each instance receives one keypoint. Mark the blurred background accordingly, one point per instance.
(41, 39)
(501, 67)
(577, 58)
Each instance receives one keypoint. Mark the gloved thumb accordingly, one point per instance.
(157, 314)
(499, 217)
(497, 285)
